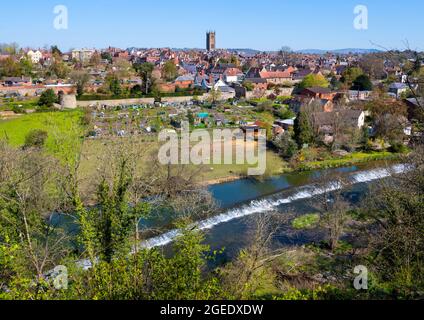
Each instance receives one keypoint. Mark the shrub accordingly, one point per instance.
(35, 138)
(398, 147)
(47, 98)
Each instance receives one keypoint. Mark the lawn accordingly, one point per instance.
(64, 129)
(94, 151)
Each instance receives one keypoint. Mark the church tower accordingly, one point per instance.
(210, 40)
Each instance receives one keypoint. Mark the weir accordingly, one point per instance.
(270, 203)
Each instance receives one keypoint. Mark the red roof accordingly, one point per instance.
(275, 74)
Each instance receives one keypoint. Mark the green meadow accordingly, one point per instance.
(64, 130)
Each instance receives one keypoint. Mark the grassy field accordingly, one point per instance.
(10, 104)
(351, 159)
(95, 151)
(63, 128)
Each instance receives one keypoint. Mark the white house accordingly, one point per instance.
(35, 56)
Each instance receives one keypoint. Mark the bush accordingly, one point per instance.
(286, 145)
(35, 139)
(398, 147)
(47, 98)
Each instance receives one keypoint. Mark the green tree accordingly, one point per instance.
(169, 71)
(26, 66)
(9, 67)
(248, 85)
(190, 117)
(303, 130)
(314, 80)
(115, 86)
(106, 56)
(145, 71)
(362, 83)
(350, 74)
(335, 83)
(47, 98)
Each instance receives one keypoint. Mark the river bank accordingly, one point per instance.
(349, 160)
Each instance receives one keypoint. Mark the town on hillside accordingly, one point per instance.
(113, 184)
(340, 101)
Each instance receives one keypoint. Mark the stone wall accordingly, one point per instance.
(31, 91)
(115, 103)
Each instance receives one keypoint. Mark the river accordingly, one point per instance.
(286, 194)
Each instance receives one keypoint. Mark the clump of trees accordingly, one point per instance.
(314, 80)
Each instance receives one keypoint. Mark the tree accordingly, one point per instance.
(248, 85)
(314, 80)
(373, 66)
(145, 71)
(137, 89)
(29, 245)
(9, 67)
(55, 51)
(114, 85)
(80, 78)
(332, 206)
(26, 66)
(285, 144)
(59, 68)
(190, 117)
(362, 83)
(214, 95)
(303, 130)
(335, 83)
(389, 118)
(169, 71)
(350, 74)
(396, 208)
(242, 277)
(106, 56)
(47, 98)
(95, 59)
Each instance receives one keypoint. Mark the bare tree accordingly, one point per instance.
(331, 204)
(244, 276)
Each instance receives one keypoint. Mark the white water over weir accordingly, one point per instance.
(260, 206)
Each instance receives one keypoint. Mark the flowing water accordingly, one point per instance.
(245, 198)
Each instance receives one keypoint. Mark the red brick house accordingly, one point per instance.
(318, 93)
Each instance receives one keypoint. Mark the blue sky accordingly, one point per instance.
(264, 24)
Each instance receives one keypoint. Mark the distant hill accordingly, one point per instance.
(246, 51)
(339, 51)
